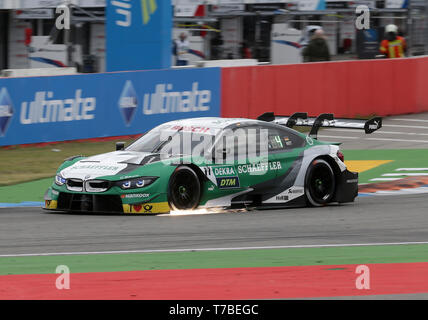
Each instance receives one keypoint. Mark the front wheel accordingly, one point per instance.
(184, 191)
(320, 183)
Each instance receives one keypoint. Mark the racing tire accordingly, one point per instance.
(184, 190)
(320, 183)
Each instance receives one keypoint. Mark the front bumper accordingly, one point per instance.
(98, 203)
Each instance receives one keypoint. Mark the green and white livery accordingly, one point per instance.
(212, 162)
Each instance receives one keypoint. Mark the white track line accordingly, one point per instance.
(403, 126)
(416, 120)
(411, 169)
(377, 132)
(385, 179)
(400, 140)
(337, 137)
(373, 139)
(214, 249)
(405, 174)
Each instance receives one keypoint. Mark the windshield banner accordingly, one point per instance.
(45, 109)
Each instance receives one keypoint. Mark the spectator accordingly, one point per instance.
(393, 46)
(317, 49)
(181, 50)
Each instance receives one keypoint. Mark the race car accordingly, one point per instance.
(212, 163)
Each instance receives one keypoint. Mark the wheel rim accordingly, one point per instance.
(185, 191)
(321, 184)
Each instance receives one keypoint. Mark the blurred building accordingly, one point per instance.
(218, 29)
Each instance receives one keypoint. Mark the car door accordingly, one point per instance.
(253, 163)
(286, 148)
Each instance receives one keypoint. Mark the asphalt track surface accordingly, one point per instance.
(368, 220)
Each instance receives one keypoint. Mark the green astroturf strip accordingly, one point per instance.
(216, 259)
(405, 158)
(28, 191)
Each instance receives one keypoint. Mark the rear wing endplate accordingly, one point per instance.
(324, 120)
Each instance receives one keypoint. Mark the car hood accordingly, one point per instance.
(108, 164)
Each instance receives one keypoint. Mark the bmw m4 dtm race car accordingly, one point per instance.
(211, 163)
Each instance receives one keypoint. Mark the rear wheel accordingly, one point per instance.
(320, 183)
(184, 191)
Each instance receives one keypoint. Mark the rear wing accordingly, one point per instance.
(325, 120)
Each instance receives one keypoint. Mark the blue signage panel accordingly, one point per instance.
(138, 34)
(44, 109)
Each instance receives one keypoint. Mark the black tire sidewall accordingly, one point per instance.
(192, 173)
(309, 197)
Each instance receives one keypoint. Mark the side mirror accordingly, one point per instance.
(120, 146)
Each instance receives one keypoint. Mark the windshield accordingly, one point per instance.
(175, 140)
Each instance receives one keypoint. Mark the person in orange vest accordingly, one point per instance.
(393, 46)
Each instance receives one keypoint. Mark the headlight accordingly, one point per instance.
(135, 183)
(59, 180)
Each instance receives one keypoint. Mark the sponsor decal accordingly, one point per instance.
(46, 109)
(6, 111)
(135, 195)
(295, 191)
(352, 181)
(374, 126)
(148, 8)
(223, 171)
(166, 100)
(281, 198)
(147, 208)
(287, 195)
(128, 102)
(124, 9)
(129, 177)
(51, 204)
(309, 140)
(259, 167)
(191, 129)
(94, 167)
(158, 207)
(207, 170)
(228, 182)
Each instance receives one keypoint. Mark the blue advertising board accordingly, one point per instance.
(44, 109)
(138, 34)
